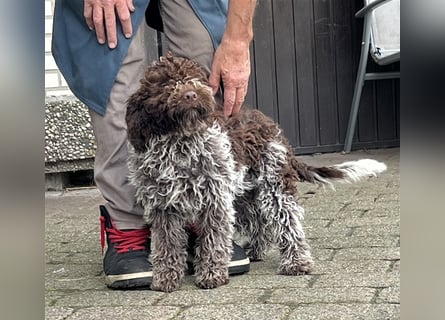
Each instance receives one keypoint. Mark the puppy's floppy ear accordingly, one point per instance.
(137, 120)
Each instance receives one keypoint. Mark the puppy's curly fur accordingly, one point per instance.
(191, 166)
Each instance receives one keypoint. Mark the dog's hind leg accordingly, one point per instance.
(214, 244)
(252, 224)
(294, 251)
(169, 241)
(281, 213)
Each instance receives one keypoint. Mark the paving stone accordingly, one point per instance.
(331, 215)
(236, 312)
(319, 232)
(268, 266)
(221, 295)
(110, 298)
(368, 254)
(316, 222)
(389, 295)
(346, 312)
(73, 236)
(88, 243)
(51, 297)
(374, 280)
(315, 295)
(269, 281)
(353, 242)
(70, 271)
(322, 254)
(60, 313)
(376, 230)
(73, 257)
(82, 283)
(387, 211)
(368, 222)
(351, 266)
(133, 313)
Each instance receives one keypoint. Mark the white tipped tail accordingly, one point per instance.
(355, 170)
(350, 171)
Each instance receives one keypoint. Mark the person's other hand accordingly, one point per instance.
(231, 65)
(100, 15)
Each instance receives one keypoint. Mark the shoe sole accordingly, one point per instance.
(144, 279)
(129, 281)
(239, 266)
(235, 267)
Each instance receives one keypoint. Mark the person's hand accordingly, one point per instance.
(231, 65)
(100, 15)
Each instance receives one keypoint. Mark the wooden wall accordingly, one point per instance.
(304, 57)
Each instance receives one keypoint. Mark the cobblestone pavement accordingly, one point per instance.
(353, 232)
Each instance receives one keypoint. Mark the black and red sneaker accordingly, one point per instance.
(126, 262)
(239, 263)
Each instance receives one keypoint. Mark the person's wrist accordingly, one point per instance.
(241, 35)
(235, 43)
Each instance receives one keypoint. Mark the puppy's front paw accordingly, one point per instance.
(166, 282)
(297, 269)
(212, 279)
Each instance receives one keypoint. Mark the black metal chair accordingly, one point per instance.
(381, 40)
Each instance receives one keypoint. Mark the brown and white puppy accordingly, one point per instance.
(190, 166)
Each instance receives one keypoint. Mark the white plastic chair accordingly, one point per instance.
(381, 40)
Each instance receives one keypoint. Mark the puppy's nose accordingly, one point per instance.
(190, 95)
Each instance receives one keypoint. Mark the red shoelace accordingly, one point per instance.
(124, 240)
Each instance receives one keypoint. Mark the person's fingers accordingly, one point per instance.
(239, 99)
(229, 100)
(123, 13)
(98, 21)
(110, 25)
(214, 80)
(88, 14)
(130, 5)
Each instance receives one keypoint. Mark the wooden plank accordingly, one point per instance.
(397, 104)
(265, 59)
(285, 67)
(345, 73)
(366, 114)
(386, 130)
(304, 52)
(251, 91)
(325, 66)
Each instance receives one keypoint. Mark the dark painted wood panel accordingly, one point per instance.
(251, 91)
(326, 71)
(345, 74)
(385, 110)
(264, 68)
(307, 122)
(285, 66)
(304, 58)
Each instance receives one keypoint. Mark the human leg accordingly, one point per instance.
(126, 262)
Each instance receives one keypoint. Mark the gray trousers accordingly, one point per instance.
(186, 36)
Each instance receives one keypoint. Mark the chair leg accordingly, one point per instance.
(358, 86)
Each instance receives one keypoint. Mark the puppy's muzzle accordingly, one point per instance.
(190, 96)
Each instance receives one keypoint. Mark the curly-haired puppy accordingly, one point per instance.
(190, 166)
